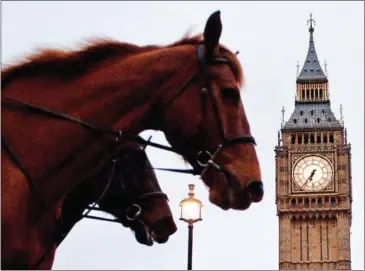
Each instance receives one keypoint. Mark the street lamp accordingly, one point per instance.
(190, 213)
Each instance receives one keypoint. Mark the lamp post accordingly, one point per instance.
(190, 213)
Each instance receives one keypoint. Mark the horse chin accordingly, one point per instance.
(157, 232)
(163, 228)
(143, 234)
(218, 195)
(217, 200)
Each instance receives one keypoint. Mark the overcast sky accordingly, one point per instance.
(271, 38)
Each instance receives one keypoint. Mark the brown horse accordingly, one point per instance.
(55, 103)
(131, 193)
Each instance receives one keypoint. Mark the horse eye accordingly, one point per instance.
(231, 95)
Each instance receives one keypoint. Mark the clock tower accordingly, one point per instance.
(313, 177)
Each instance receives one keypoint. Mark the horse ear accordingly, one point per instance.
(212, 33)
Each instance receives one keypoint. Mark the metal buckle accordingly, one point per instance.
(119, 136)
(210, 161)
(203, 164)
(136, 214)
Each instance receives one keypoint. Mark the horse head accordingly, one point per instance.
(204, 120)
(127, 188)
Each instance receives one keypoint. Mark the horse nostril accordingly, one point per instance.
(256, 191)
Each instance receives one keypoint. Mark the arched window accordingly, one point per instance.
(306, 139)
(295, 120)
(316, 94)
(318, 138)
(301, 112)
(312, 112)
(312, 94)
(320, 94)
(293, 139)
(332, 140)
(312, 138)
(307, 94)
(299, 139)
(325, 138)
(305, 120)
(303, 93)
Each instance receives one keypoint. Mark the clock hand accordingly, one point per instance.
(312, 174)
(310, 178)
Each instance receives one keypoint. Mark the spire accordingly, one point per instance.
(325, 68)
(341, 115)
(311, 69)
(311, 23)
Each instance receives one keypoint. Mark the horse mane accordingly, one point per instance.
(69, 64)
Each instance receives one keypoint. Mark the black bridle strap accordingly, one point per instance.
(239, 139)
(18, 163)
(110, 179)
(59, 115)
(202, 59)
(180, 91)
(149, 143)
(102, 218)
(153, 194)
(187, 171)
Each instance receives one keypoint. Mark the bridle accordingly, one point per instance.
(132, 213)
(204, 158)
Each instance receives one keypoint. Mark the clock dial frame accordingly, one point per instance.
(312, 173)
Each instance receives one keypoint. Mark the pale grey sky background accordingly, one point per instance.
(271, 37)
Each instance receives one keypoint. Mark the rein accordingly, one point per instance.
(93, 128)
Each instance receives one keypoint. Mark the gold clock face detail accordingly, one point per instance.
(312, 173)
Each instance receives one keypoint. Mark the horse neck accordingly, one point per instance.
(132, 88)
(118, 94)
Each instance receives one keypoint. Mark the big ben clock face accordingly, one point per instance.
(312, 173)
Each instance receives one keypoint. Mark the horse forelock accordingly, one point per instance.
(69, 64)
